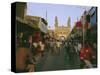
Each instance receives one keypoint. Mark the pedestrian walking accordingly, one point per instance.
(52, 46)
(72, 54)
(58, 43)
(35, 50)
(42, 46)
(87, 55)
(67, 47)
(79, 46)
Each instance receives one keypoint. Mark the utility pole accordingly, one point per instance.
(46, 15)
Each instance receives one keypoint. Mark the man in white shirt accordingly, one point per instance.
(42, 48)
(58, 46)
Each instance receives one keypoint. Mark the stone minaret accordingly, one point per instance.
(68, 22)
(56, 22)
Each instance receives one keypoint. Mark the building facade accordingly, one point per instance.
(93, 15)
(60, 32)
(21, 9)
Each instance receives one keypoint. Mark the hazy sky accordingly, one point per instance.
(61, 11)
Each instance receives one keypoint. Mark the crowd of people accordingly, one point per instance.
(84, 50)
(28, 50)
(54, 46)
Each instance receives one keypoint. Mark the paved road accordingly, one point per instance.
(52, 62)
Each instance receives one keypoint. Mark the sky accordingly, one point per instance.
(59, 10)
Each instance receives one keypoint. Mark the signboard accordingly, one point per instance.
(42, 27)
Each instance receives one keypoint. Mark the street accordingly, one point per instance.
(60, 61)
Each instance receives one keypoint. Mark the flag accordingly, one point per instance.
(78, 24)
